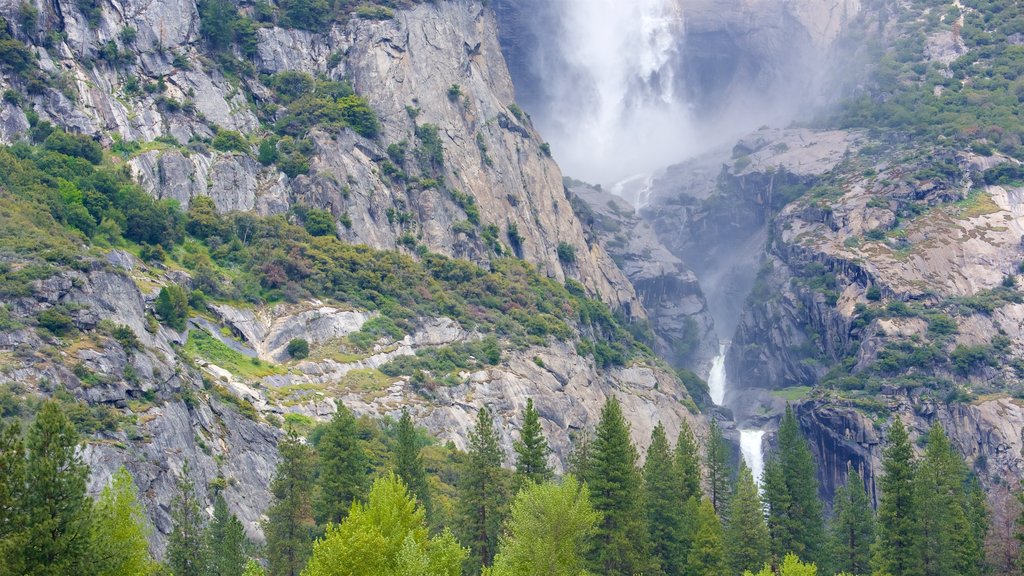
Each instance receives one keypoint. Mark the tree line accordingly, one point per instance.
(685, 510)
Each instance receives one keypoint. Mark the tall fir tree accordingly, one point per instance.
(13, 536)
(662, 503)
(687, 463)
(746, 534)
(409, 462)
(946, 543)
(719, 469)
(344, 467)
(482, 493)
(707, 554)
(57, 508)
(532, 449)
(853, 528)
(119, 531)
(614, 482)
(795, 522)
(187, 550)
(895, 546)
(290, 525)
(580, 457)
(227, 541)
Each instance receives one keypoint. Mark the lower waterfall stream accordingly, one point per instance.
(751, 440)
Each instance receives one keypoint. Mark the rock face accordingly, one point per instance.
(670, 292)
(404, 67)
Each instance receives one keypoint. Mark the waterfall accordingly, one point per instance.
(716, 378)
(621, 113)
(750, 447)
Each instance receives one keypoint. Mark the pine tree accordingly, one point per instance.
(13, 538)
(482, 492)
(719, 469)
(187, 552)
(614, 482)
(853, 527)
(895, 547)
(580, 457)
(119, 531)
(532, 449)
(945, 533)
(687, 463)
(547, 531)
(664, 509)
(746, 535)
(57, 508)
(795, 520)
(386, 535)
(289, 525)
(707, 555)
(409, 462)
(227, 541)
(343, 467)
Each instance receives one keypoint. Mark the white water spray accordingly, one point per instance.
(716, 378)
(751, 448)
(625, 116)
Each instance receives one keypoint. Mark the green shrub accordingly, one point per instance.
(172, 306)
(229, 140)
(75, 145)
(319, 222)
(298, 348)
(56, 320)
(566, 253)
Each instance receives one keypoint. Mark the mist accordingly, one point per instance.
(621, 89)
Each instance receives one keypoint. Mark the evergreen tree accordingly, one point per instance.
(579, 456)
(385, 536)
(945, 534)
(746, 535)
(707, 555)
(687, 463)
(483, 496)
(343, 467)
(409, 462)
(663, 507)
(795, 523)
(227, 541)
(289, 525)
(547, 531)
(13, 538)
(895, 547)
(119, 531)
(614, 484)
(532, 449)
(853, 527)
(187, 552)
(719, 469)
(57, 508)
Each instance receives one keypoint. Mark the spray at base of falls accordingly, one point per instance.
(750, 447)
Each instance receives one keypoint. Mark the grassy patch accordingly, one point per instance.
(793, 393)
(201, 345)
(977, 203)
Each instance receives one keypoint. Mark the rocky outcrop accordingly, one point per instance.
(670, 292)
(404, 67)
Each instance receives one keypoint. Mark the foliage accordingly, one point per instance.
(319, 222)
(853, 528)
(719, 469)
(893, 553)
(707, 554)
(298, 348)
(532, 449)
(795, 521)
(548, 531)
(615, 483)
(229, 140)
(172, 306)
(343, 467)
(483, 498)
(227, 541)
(289, 525)
(119, 531)
(746, 534)
(188, 553)
(386, 536)
(201, 344)
(409, 462)
(662, 504)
